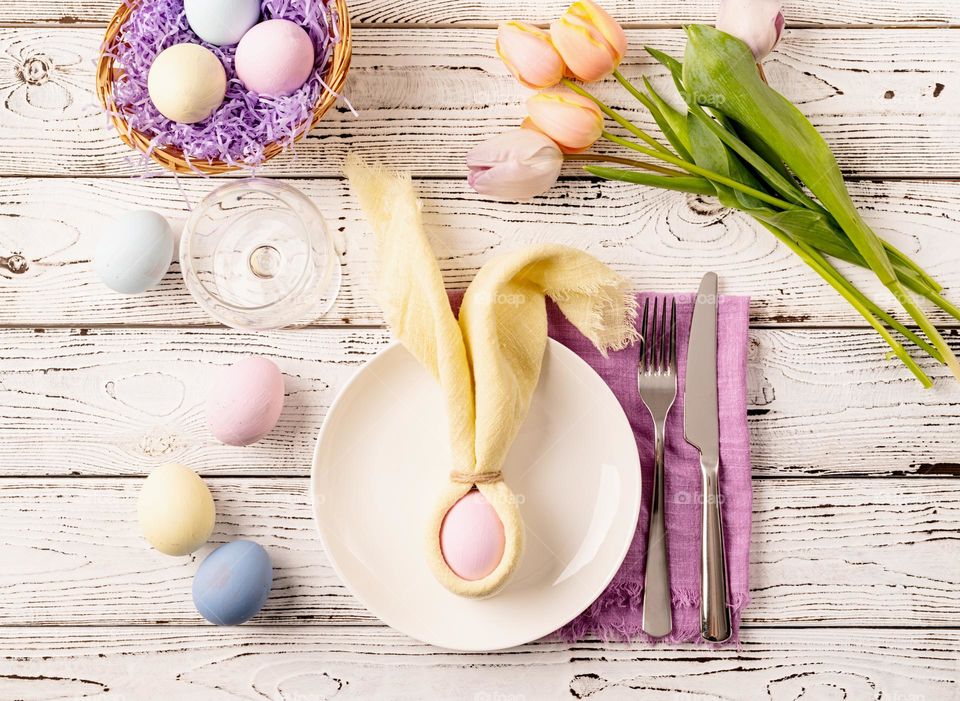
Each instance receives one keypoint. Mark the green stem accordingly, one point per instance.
(924, 323)
(831, 276)
(686, 183)
(938, 299)
(598, 158)
(703, 172)
(872, 306)
(628, 85)
(618, 118)
(897, 255)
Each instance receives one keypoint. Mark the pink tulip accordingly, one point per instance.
(573, 121)
(517, 165)
(590, 41)
(529, 54)
(759, 23)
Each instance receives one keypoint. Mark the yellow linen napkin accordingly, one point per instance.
(489, 364)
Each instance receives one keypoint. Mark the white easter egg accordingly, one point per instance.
(134, 253)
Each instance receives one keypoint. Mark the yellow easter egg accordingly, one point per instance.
(175, 510)
(187, 83)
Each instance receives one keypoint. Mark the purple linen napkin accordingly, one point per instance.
(617, 613)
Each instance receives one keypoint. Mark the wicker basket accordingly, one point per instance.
(171, 157)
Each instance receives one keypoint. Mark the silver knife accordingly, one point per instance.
(701, 427)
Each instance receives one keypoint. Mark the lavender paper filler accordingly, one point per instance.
(246, 123)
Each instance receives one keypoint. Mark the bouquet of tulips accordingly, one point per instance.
(736, 138)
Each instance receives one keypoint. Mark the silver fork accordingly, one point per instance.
(657, 382)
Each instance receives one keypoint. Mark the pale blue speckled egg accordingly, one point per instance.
(233, 583)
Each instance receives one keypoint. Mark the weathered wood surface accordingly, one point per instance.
(661, 240)
(856, 584)
(310, 663)
(489, 12)
(886, 100)
(824, 552)
(121, 401)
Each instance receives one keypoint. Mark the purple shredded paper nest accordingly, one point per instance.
(246, 123)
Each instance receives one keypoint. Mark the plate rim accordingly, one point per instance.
(391, 347)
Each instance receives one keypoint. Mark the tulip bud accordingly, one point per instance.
(590, 42)
(571, 120)
(759, 23)
(529, 55)
(517, 165)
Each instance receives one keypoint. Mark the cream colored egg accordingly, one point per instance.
(187, 83)
(175, 510)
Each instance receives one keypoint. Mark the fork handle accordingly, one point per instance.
(657, 616)
(714, 612)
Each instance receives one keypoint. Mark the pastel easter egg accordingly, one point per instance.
(471, 537)
(233, 583)
(221, 22)
(175, 510)
(275, 58)
(187, 83)
(245, 401)
(134, 253)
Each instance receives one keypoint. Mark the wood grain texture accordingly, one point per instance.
(443, 12)
(661, 240)
(888, 101)
(120, 402)
(824, 552)
(307, 663)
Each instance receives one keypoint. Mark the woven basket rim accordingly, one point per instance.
(171, 157)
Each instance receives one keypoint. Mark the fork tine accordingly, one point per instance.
(654, 341)
(643, 337)
(644, 341)
(673, 336)
(664, 339)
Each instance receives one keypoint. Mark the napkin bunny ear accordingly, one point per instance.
(504, 502)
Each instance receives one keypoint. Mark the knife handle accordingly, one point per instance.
(714, 612)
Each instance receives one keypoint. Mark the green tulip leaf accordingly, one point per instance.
(719, 71)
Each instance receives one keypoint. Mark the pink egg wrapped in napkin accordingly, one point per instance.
(472, 538)
(245, 401)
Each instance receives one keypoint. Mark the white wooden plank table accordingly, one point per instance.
(855, 571)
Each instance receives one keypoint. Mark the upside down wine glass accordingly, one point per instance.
(257, 255)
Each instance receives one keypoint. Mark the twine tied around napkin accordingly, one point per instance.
(487, 364)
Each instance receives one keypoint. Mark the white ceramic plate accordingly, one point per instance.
(380, 462)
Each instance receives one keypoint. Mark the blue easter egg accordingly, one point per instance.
(233, 583)
(133, 254)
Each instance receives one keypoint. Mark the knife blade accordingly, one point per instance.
(701, 427)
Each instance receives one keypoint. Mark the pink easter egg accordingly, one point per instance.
(274, 58)
(245, 401)
(471, 537)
